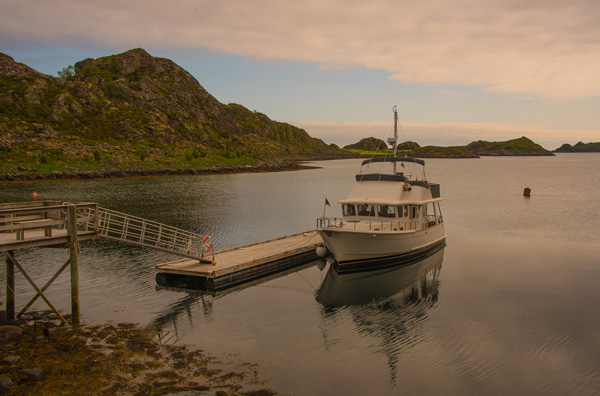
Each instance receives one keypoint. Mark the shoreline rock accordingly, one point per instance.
(114, 359)
(123, 173)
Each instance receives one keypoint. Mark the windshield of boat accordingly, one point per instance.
(412, 170)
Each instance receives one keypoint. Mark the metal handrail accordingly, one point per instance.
(138, 231)
(55, 216)
(376, 224)
(108, 224)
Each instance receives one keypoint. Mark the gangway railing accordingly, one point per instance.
(134, 230)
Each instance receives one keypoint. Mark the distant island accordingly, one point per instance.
(579, 147)
(522, 146)
(134, 114)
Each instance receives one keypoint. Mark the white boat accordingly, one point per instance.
(389, 216)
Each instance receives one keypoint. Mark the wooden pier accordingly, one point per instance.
(242, 264)
(37, 224)
(45, 224)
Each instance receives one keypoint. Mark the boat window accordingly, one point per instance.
(366, 210)
(349, 210)
(386, 211)
(403, 211)
(414, 211)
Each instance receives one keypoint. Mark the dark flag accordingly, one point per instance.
(327, 202)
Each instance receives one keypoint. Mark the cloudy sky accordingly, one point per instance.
(458, 70)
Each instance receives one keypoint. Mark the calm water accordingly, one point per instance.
(510, 306)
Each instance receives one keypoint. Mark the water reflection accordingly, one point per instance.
(388, 306)
(410, 284)
(196, 296)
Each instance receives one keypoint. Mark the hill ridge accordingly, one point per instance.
(522, 146)
(133, 112)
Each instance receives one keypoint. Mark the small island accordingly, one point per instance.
(579, 147)
(522, 146)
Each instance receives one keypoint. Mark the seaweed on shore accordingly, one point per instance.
(116, 359)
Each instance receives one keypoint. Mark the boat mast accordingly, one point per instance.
(395, 144)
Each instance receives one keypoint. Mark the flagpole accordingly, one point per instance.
(325, 206)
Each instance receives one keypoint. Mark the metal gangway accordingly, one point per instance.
(25, 225)
(135, 230)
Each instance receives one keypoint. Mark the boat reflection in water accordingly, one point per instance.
(382, 310)
(412, 283)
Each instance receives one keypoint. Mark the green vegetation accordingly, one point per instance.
(443, 152)
(132, 112)
(421, 152)
(370, 144)
(521, 144)
(66, 72)
(369, 153)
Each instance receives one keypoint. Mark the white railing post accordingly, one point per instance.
(143, 231)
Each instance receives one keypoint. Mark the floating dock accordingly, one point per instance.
(241, 264)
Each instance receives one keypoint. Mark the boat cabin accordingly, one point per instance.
(392, 217)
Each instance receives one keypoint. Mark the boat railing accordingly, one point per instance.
(430, 221)
(378, 224)
(368, 225)
(325, 222)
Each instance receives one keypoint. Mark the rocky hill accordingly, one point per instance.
(132, 113)
(369, 143)
(579, 147)
(520, 146)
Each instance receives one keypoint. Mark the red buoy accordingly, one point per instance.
(527, 192)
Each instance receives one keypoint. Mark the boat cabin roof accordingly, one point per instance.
(394, 159)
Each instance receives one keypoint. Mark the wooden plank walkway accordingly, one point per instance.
(38, 238)
(248, 262)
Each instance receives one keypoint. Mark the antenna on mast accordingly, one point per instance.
(394, 141)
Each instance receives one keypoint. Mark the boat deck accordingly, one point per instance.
(245, 263)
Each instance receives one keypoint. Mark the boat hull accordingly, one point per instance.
(359, 250)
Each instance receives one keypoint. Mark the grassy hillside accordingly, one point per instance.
(132, 112)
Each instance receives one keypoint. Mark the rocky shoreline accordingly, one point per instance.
(21, 173)
(40, 356)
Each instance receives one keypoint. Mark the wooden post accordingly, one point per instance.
(96, 218)
(10, 287)
(74, 247)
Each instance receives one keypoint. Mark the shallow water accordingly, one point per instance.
(508, 306)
